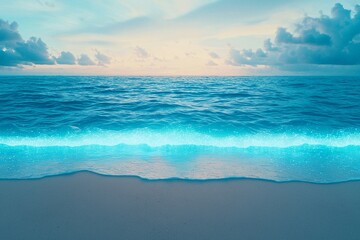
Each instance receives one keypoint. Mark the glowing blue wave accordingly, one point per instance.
(177, 138)
(276, 128)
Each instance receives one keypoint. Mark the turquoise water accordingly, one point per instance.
(274, 128)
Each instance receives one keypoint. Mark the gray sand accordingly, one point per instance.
(88, 206)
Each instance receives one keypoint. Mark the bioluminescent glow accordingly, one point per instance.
(154, 138)
(275, 128)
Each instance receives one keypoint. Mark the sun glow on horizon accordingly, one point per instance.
(158, 37)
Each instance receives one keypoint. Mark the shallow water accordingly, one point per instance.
(275, 128)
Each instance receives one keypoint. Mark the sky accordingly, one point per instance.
(180, 37)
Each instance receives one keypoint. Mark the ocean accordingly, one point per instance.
(197, 128)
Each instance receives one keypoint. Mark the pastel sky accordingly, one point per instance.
(180, 37)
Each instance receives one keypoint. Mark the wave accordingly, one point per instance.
(155, 138)
(184, 154)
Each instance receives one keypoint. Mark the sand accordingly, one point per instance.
(89, 206)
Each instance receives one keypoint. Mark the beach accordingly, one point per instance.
(90, 206)
(180, 120)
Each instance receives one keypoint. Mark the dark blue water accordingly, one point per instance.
(276, 128)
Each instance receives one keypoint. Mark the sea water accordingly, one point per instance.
(274, 128)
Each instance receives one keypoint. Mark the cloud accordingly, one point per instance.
(66, 58)
(307, 36)
(85, 60)
(247, 57)
(214, 55)
(141, 52)
(14, 51)
(269, 46)
(230, 10)
(324, 40)
(211, 63)
(34, 51)
(9, 34)
(46, 4)
(204, 20)
(102, 58)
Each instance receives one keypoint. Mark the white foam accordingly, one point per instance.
(178, 137)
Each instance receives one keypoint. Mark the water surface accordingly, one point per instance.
(275, 128)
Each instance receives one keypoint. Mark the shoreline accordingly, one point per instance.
(177, 179)
(87, 205)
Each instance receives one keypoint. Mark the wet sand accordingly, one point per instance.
(89, 206)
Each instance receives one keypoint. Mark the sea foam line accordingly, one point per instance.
(180, 138)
